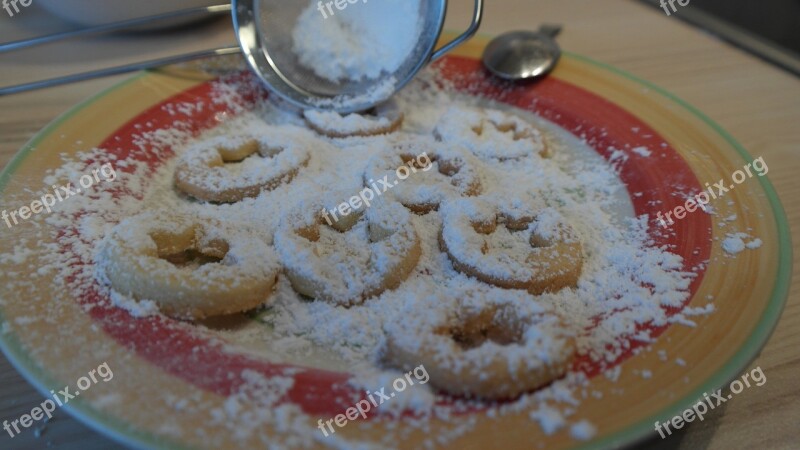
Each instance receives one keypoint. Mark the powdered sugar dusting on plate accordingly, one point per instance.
(626, 281)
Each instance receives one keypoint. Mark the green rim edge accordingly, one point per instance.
(123, 433)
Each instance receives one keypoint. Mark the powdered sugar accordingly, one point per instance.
(345, 266)
(366, 40)
(583, 430)
(490, 134)
(351, 123)
(735, 243)
(284, 151)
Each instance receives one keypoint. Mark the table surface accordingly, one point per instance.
(757, 103)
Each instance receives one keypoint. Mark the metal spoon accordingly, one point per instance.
(523, 55)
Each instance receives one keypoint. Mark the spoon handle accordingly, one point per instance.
(551, 29)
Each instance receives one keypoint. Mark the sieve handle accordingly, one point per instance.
(7, 90)
(109, 27)
(477, 17)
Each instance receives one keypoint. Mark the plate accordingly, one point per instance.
(174, 388)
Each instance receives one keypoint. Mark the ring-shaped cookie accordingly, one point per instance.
(514, 248)
(229, 169)
(434, 172)
(191, 268)
(491, 133)
(383, 119)
(346, 260)
(489, 351)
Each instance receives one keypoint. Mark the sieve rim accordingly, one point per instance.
(263, 64)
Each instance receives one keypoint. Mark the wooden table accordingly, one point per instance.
(757, 103)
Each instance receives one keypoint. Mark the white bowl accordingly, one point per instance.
(95, 12)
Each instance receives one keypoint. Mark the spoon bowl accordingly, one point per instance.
(523, 55)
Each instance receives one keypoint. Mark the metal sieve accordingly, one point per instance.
(264, 29)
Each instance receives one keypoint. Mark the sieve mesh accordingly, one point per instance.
(275, 22)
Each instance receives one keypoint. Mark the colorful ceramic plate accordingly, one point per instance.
(156, 362)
